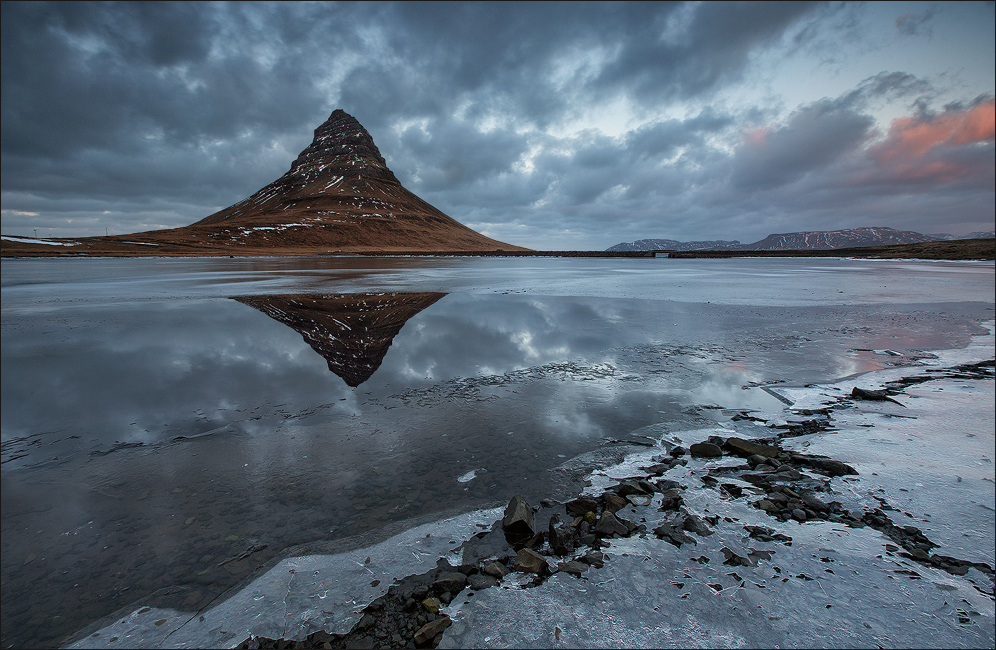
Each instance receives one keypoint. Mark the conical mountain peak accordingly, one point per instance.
(339, 194)
(342, 147)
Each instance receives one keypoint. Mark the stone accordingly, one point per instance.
(799, 514)
(594, 558)
(678, 452)
(563, 539)
(479, 582)
(614, 502)
(826, 466)
(695, 525)
(812, 502)
(639, 487)
(518, 522)
(431, 605)
(920, 554)
(496, 570)
(670, 499)
(609, 524)
(657, 469)
(705, 450)
(573, 567)
(431, 629)
(732, 559)
(579, 507)
(669, 533)
(529, 561)
(873, 395)
(452, 582)
(746, 448)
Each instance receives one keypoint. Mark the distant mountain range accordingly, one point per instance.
(815, 240)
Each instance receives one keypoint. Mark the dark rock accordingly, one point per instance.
(785, 473)
(431, 629)
(826, 466)
(529, 561)
(609, 524)
(706, 450)
(675, 536)
(614, 502)
(731, 489)
(767, 506)
(873, 395)
(639, 487)
(667, 484)
(518, 523)
(695, 525)
(812, 502)
(573, 567)
(678, 452)
(657, 469)
(496, 570)
(563, 538)
(746, 448)
(733, 559)
(479, 581)
(799, 514)
(594, 558)
(670, 499)
(452, 582)
(578, 507)
(764, 534)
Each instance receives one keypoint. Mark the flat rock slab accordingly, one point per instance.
(746, 448)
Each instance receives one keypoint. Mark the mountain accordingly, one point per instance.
(825, 240)
(671, 245)
(338, 196)
(813, 240)
(351, 331)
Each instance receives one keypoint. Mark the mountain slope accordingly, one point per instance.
(825, 240)
(671, 245)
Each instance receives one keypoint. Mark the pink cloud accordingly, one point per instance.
(917, 150)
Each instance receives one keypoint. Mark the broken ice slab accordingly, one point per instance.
(299, 595)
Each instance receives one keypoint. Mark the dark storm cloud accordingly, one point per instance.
(144, 115)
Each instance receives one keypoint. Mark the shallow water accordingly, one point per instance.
(153, 428)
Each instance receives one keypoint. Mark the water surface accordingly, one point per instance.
(155, 430)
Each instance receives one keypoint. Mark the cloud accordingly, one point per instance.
(911, 24)
(815, 136)
(546, 125)
(946, 148)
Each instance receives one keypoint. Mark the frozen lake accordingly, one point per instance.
(171, 425)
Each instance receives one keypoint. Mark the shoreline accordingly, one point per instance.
(966, 249)
(787, 472)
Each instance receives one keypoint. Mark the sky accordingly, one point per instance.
(552, 126)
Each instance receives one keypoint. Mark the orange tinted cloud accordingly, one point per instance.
(910, 139)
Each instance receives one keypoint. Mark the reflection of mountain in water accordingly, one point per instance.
(352, 331)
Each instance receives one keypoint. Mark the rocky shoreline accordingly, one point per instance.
(530, 544)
